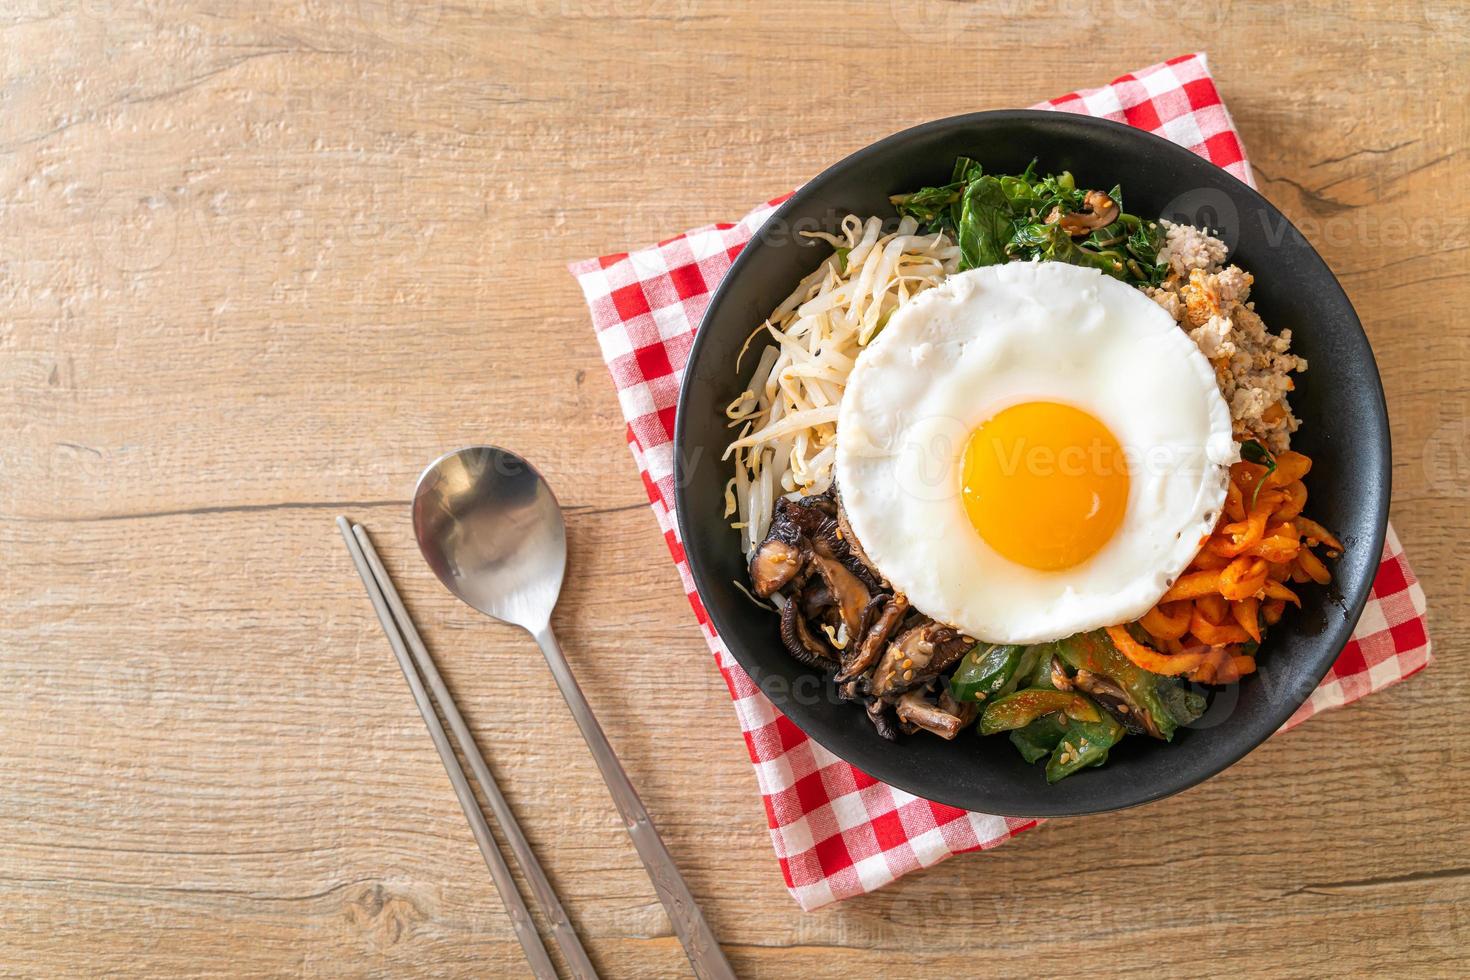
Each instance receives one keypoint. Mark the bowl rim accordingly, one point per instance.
(1352, 604)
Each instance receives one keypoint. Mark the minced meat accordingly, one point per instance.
(1211, 301)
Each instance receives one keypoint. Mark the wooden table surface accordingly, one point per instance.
(260, 262)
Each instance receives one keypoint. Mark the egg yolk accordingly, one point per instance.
(1045, 484)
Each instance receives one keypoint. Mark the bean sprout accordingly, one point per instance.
(786, 418)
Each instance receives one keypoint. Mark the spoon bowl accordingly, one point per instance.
(491, 530)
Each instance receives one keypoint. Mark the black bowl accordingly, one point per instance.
(1340, 401)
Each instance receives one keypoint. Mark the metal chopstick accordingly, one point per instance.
(403, 637)
(520, 848)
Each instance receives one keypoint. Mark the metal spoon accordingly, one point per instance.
(490, 528)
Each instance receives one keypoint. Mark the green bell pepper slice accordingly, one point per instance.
(1037, 740)
(1095, 653)
(1083, 744)
(1023, 707)
(1029, 673)
(985, 672)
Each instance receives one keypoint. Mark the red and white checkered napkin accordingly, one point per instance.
(839, 832)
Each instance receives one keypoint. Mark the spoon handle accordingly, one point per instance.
(699, 943)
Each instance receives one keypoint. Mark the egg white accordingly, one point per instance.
(998, 336)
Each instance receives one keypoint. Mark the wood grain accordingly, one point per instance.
(260, 262)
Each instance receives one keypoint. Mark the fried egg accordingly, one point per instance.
(1031, 450)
